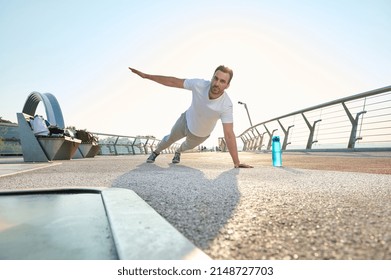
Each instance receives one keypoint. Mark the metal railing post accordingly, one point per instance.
(247, 141)
(269, 144)
(261, 142)
(286, 134)
(244, 142)
(354, 122)
(145, 146)
(115, 146)
(312, 132)
(132, 145)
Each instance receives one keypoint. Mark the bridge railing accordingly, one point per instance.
(9, 139)
(358, 121)
(111, 144)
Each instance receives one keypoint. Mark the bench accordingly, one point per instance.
(44, 148)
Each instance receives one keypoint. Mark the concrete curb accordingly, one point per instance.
(137, 231)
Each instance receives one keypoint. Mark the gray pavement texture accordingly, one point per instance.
(308, 209)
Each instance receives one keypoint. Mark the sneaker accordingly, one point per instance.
(152, 157)
(177, 157)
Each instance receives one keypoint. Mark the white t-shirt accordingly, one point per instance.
(203, 112)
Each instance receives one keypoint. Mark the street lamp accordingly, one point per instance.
(248, 114)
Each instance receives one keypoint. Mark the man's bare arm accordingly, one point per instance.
(163, 80)
(230, 139)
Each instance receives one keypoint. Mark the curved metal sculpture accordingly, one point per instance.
(52, 108)
(38, 148)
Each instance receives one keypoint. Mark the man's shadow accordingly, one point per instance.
(195, 205)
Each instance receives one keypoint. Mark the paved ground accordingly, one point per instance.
(318, 206)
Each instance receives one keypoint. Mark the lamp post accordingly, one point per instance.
(248, 114)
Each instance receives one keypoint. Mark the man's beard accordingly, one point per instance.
(215, 90)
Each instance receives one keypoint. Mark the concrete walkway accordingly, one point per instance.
(318, 206)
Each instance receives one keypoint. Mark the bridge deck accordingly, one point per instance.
(318, 206)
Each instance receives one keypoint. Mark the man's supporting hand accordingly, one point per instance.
(243, 165)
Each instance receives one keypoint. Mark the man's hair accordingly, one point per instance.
(227, 70)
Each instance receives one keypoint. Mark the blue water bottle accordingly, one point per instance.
(276, 151)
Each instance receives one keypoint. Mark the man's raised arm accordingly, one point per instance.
(164, 80)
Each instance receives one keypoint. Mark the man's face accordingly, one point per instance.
(219, 84)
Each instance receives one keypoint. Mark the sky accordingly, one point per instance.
(286, 56)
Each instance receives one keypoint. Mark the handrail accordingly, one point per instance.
(344, 116)
(114, 144)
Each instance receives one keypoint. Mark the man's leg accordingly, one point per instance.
(191, 142)
(178, 131)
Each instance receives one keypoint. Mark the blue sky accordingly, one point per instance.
(286, 55)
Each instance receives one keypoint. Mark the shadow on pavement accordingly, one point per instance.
(196, 204)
